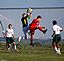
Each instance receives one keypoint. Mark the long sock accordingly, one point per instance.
(56, 49)
(31, 39)
(15, 47)
(59, 50)
(19, 38)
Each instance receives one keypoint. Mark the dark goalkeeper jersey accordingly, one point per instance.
(25, 21)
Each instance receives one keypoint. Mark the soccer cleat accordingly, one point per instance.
(59, 52)
(32, 44)
(17, 50)
(9, 48)
(45, 31)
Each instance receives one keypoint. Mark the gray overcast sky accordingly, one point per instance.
(30, 3)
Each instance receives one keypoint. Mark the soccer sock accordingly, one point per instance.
(56, 49)
(19, 38)
(59, 50)
(31, 39)
(15, 47)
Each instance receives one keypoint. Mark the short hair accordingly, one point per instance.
(23, 14)
(54, 22)
(9, 25)
(39, 17)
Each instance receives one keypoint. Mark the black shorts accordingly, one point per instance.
(9, 40)
(56, 38)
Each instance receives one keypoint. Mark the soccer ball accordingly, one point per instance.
(29, 10)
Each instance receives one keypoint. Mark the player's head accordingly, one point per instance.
(39, 17)
(10, 26)
(24, 15)
(54, 22)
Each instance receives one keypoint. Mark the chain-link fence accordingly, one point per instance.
(13, 15)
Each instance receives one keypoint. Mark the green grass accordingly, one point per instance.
(27, 53)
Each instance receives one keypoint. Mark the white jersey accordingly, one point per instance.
(57, 29)
(9, 33)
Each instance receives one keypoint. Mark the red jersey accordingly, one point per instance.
(35, 23)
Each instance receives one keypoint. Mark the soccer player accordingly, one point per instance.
(24, 19)
(56, 37)
(10, 37)
(36, 25)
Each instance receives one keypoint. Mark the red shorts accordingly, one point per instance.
(32, 30)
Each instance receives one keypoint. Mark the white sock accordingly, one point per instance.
(15, 47)
(56, 49)
(19, 38)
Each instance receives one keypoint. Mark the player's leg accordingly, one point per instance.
(58, 44)
(41, 29)
(14, 44)
(25, 35)
(19, 39)
(9, 46)
(54, 43)
(32, 37)
(58, 47)
(25, 30)
(55, 47)
(8, 42)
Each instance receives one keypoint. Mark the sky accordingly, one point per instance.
(31, 3)
(14, 16)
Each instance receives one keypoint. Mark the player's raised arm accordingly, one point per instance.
(29, 13)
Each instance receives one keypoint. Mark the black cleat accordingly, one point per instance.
(32, 44)
(45, 31)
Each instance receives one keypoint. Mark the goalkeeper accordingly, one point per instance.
(24, 19)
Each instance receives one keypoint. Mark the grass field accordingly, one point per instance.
(27, 53)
